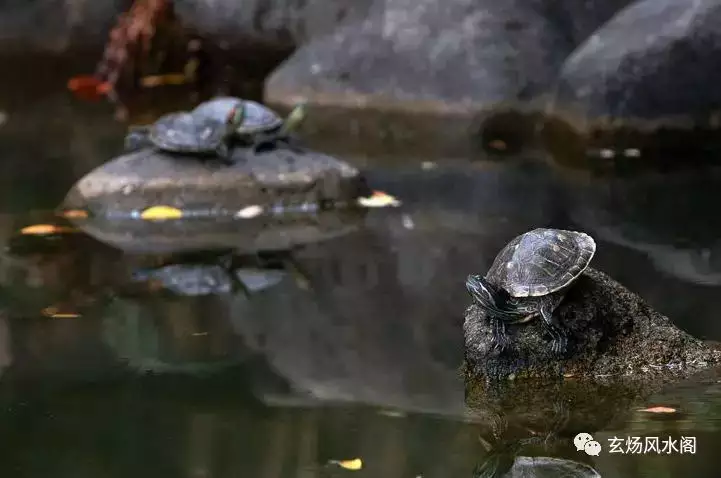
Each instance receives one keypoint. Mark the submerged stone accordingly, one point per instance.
(616, 339)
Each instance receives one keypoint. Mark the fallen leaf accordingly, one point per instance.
(88, 87)
(152, 81)
(161, 213)
(74, 214)
(354, 465)
(45, 229)
(379, 199)
(249, 212)
(53, 313)
(659, 409)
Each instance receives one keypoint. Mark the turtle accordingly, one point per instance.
(529, 278)
(185, 133)
(261, 127)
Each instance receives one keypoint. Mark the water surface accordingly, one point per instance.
(360, 362)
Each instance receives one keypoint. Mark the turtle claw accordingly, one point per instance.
(224, 154)
(499, 338)
(559, 343)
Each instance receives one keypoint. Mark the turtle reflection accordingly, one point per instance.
(504, 458)
(207, 274)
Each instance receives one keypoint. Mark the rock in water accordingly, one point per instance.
(148, 177)
(655, 62)
(294, 199)
(616, 337)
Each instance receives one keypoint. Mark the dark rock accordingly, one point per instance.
(458, 59)
(617, 338)
(654, 63)
(272, 23)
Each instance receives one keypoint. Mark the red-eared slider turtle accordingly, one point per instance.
(185, 133)
(261, 127)
(529, 278)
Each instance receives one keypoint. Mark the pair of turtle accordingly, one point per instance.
(214, 126)
(529, 278)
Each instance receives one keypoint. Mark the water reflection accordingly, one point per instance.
(192, 378)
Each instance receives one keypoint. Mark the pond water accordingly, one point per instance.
(358, 358)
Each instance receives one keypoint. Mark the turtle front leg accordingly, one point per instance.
(498, 332)
(225, 154)
(138, 137)
(559, 334)
(292, 143)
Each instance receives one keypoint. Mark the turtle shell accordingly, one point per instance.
(216, 108)
(258, 118)
(541, 261)
(183, 132)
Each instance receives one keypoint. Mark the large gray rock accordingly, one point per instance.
(654, 63)
(455, 59)
(617, 338)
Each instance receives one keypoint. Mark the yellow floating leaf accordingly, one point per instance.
(658, 410)
(354, 464)
(160, 213)
(379, 199)
(152, 81)
(53, 312)
(45, 229)
(74, 214)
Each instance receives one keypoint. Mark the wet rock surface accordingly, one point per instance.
(145, 178)
(304, 198)
(617, 338)
(652, 64)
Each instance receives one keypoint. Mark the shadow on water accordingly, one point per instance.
(108, 368)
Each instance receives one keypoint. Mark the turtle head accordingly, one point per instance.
(491, 298)
(296, 116)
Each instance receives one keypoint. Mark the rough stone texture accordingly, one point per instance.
(280, 23)
(446, 66)
(652, 63)
(617, 337)
(458, 53)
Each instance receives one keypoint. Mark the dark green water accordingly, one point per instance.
(361, 364)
